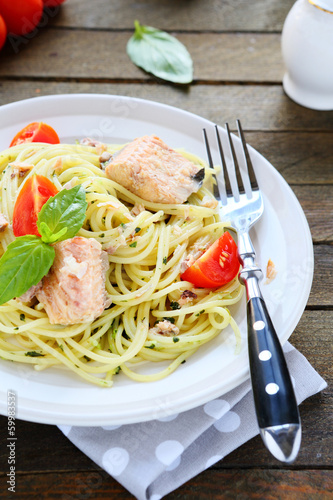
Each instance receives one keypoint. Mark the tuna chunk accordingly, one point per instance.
(30, 294)
(74, 289)
(150, 169)
(3, 223)
(20, 168)
(165, 328)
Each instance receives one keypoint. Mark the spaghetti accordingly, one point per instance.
(146, 244)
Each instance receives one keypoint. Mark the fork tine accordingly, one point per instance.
(211, 164)
(224, 165)
(250, 169)
(209, 155)
(235, 162)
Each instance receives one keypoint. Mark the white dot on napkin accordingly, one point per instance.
(110, 427)
(216, 408)
(288, 347)
(155, 497)
(168, 451)
(174, 464)
(115, 461)
(212, 460)
(169, 418)
(229, 423)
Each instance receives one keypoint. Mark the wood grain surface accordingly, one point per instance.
(183, 15)
(102, 55)
(238, 69)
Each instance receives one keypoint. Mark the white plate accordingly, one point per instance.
(57, 396)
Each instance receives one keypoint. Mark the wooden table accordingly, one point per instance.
(235, 47)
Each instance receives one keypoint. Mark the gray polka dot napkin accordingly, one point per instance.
(151, 459)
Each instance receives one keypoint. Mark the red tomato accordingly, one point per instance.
(217, 266)
(3, 32)
(36, 132)
(35, 192)
(21, 16)
(53, 3)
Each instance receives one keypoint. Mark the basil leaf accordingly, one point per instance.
(48, 236)
(65, 210)
(160, 54)
(25, 262)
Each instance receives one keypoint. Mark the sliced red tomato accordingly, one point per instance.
(36, 132)
(3, 32)
(217, 266)
(35, 192)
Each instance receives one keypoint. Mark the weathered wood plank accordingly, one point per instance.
(316, 202)
(260, 107)
(98, 54)
(221, 485)
(257, 484)
(217, 15)
(302, 158)
(322, 286)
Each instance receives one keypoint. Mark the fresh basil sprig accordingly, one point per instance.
(161, 54)
(25, 262)
(62, 216)
(28, 258)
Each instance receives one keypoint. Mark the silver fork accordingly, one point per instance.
(275, 402)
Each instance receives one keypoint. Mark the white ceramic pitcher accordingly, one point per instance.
(307, 50)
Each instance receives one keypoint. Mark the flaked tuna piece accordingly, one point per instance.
(3, 223)
(195, 251)
(20, 168)
(209, 202)
(137, 209)
(187, 297)
(74, 289)
(271, 272)
(165, 328)
(155, 172)
(104, 159)
(100, 146)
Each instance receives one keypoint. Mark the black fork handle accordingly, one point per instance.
(273, 391)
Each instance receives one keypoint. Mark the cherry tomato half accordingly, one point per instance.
(36, 132)
(21, 16)
(36, 190)
(216, 267)
(3, 32)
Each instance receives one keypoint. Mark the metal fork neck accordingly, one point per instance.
(251, 274)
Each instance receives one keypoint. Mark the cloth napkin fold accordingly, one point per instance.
(151, 459)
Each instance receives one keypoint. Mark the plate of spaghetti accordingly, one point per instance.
(119, 296)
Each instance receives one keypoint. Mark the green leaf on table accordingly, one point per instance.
(63, 215)
(161, 54)
(25, 262)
